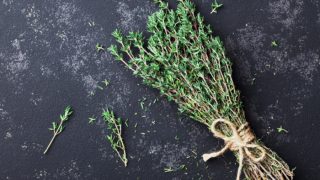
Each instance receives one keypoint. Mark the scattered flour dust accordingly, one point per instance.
(6, 122)
(41, 174)
(172, 155)
(70, 32)
(74, 40)
(89, 83)
(8, 135)
(286, 12)
(253, 41)
(7, 2)
(69, 171)
(14, 62)
(133, 18)
(32, 147)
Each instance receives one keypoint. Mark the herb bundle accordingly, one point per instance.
(115, 138)
(188, 65)
(58, 128)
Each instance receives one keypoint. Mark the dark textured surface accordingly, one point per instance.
(48, 60)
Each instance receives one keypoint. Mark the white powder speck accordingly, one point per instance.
(8, 135)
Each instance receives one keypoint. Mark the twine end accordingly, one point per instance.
(206, 157)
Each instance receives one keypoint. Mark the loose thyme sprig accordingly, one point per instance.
(170, 169)
(106, 82)
(115, 137)
(188, 65)
(99, 47)
(281, 129)
(215, 6)
(58, 128)
(274, 44)
(92, 119)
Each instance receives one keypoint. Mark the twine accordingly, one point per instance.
(239, 141)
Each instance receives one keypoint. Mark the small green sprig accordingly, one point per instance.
(106, 82)
(99, 47)
(281, 129)
(115, 138)
(142, 101)
(58, 128)
(215, 6)
(274, 44)
(170, 169)
(92, 119)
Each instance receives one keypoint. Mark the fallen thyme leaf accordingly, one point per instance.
(92, 119)
(170, 169)
(99, 47)
(274, 44)
(281, 129)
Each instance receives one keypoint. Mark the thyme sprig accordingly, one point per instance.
(92, 119)
(281, 129)
(115, 138)
(106, 82)
(215, 6)
(189, 66)
(99, 47)
(274, 44)
(58, 128)
(171, 169)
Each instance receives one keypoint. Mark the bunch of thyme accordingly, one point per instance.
(115, 137)
(189, 66)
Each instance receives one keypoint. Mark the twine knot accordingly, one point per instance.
(240, 141)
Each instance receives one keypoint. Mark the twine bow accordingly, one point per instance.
(239, 141)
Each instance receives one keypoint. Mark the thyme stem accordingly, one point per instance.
(115, 136)
(57, 129)
(49, 145)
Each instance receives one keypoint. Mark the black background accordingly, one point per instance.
(48, 61)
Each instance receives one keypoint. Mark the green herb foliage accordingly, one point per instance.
(58, 128)
(215, 6)
(189, 66)
(170, 169)
(92, 119)
(115, 138)
(106, 82)
(281, 129)
(274, 44)
(99, 47)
